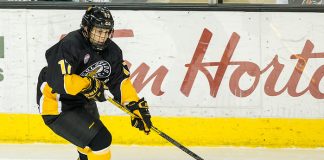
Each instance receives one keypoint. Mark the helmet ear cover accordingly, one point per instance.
(99, 17)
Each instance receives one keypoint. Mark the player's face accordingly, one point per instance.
(98, 36)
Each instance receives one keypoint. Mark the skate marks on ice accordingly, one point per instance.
(120, 152)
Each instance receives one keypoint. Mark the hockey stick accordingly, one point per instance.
(165, 136)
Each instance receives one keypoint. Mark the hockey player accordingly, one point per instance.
(80, 67)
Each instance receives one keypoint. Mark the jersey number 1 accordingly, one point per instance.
(63, 69)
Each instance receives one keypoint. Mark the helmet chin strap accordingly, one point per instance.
(85, 32)
(111, 34)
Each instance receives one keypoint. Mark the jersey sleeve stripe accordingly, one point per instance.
(73, 84)
(128, 92)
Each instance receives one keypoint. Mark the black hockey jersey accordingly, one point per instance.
(73, 58)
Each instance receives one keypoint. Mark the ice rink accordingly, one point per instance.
(67, 152)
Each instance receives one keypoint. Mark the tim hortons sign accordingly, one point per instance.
(243, 67)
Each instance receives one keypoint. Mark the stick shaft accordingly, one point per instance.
(162, 134)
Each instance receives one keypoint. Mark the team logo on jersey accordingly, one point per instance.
(86, 58)
(100, 69)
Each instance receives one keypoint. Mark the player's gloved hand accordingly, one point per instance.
(140, 108)
(95, 91)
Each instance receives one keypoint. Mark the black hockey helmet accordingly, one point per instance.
(99, 17)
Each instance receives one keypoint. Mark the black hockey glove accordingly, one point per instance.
(140, 108)
(95, 90)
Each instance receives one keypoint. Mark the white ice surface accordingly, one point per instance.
(119, 152)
